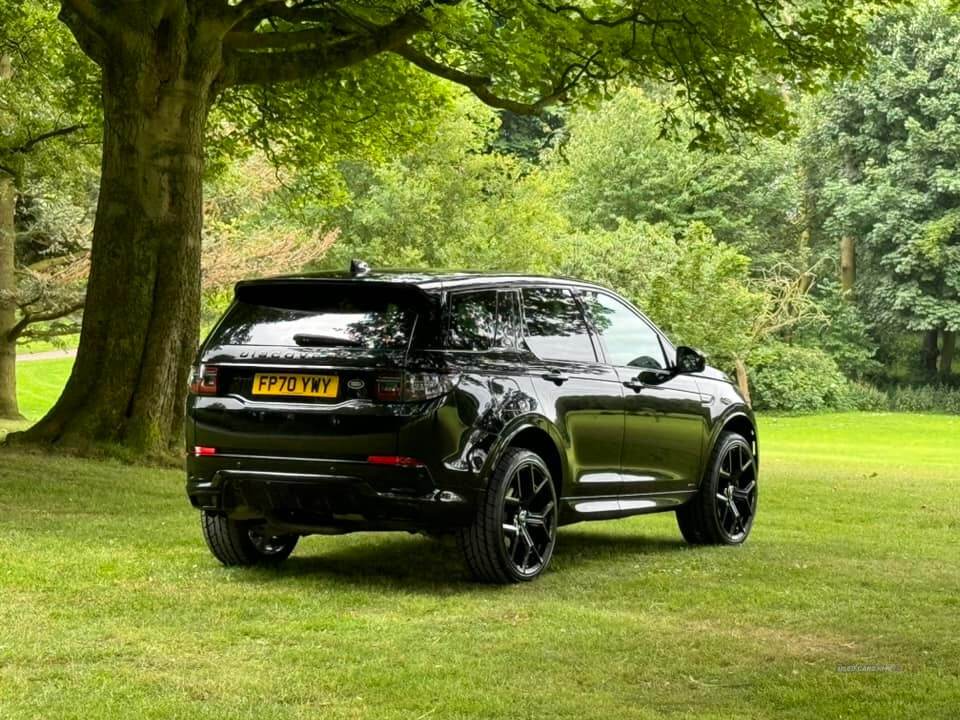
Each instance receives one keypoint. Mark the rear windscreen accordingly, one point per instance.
(316, 316)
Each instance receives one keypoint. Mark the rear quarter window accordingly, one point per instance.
(482, 320)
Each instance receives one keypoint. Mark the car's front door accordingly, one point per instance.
(665, 421)
(581, 394)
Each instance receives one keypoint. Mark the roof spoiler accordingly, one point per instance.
(358, 267)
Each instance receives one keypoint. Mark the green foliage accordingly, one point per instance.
(695, 288)
(249, 231)
(49, 118)
(49, 125)
(725, 62)
(367, 112)
(543, 49)
(865, 397)
(845, 335)
(926, 398)
(447, 204)
(793, 378)
(885, 163)
(528, 137)
(618, 164)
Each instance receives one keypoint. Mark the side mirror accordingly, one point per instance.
(690, 360)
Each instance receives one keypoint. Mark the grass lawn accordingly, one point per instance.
(38, 385)
(110, 605)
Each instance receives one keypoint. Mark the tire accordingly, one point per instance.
(515, 529)
(236, 543)
(723, 510)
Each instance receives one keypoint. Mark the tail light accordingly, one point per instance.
(205, 380)
(414, 387)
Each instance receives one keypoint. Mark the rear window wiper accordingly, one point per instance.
(324, 341)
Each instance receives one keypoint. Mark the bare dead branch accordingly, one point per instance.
(225, 262)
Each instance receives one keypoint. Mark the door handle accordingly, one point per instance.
(555, 376)
(634, 385)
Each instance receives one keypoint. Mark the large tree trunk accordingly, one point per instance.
(8, 306)
(743, 380)
(848, 264)
(930, 351)
(946, 353)
(141, 320)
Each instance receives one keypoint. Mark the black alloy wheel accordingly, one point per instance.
(723, 511)
(515, 531)
(235, 542)
(736, 492)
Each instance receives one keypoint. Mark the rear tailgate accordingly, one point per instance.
(308, 368)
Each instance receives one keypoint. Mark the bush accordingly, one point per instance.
(863, 396)
(796, 379)
(926, 398)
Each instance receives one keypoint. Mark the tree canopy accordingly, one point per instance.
(886, 165)
(311, 80)
(48, 129)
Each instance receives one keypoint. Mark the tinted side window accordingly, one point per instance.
(555, 328)
(482, 320)
(628, 338)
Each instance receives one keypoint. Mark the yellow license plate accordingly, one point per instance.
(295, 385)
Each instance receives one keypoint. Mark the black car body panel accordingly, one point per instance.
(619, 439)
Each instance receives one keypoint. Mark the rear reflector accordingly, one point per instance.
(400, 460)
(388, 389)
(201, 450)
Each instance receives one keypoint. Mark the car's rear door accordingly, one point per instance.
(578, 392)
(665, 422)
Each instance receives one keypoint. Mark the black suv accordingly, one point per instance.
(495, 407)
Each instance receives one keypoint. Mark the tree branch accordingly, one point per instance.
(636, 18)
(91, 27)
(249, 13)
(479, 85)
(276, 40)
(58, 132)
(31, 318)
(84, 9)
(265, 68)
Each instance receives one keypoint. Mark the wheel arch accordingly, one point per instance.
(539, 436)
(742, 424)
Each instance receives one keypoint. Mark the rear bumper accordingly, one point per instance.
(314, 495)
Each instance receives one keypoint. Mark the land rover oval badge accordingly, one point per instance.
(355, 384)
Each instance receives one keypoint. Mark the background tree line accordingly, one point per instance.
(724, 216)
(738, 250)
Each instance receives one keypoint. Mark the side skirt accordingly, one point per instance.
(579, 509)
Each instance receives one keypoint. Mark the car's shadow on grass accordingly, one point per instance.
(417, 563)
